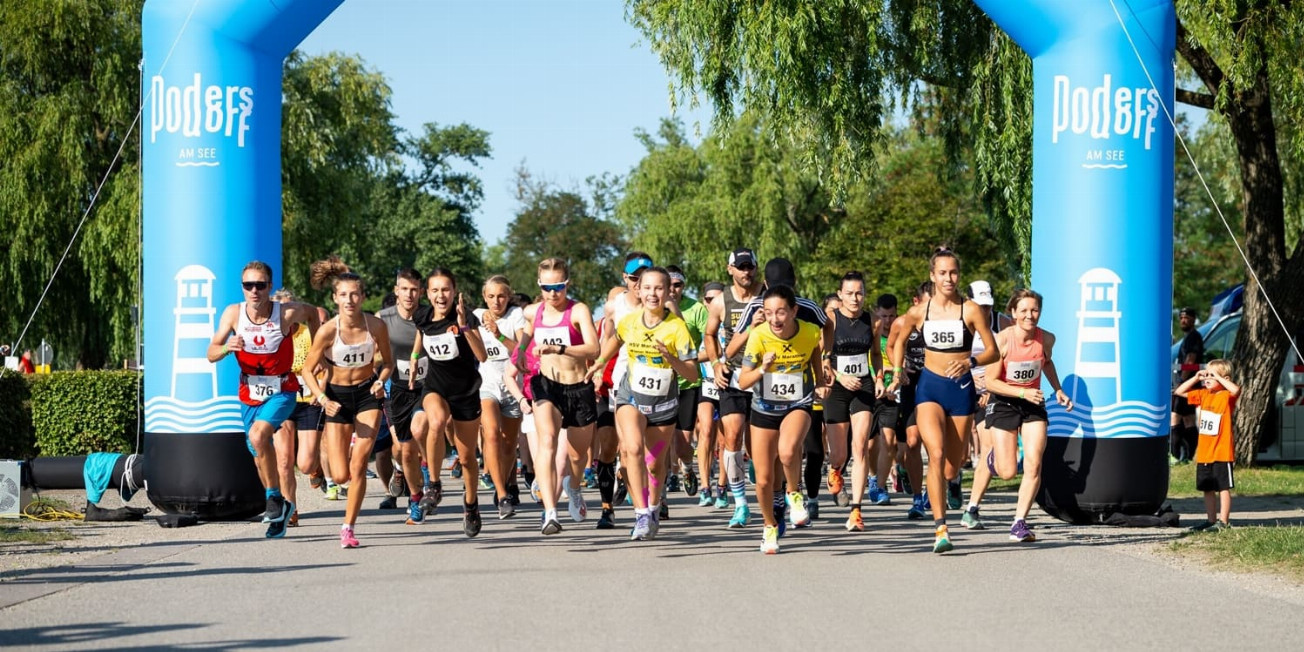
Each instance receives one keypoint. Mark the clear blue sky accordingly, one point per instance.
(558, 84)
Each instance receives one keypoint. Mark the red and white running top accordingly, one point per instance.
(267, 360)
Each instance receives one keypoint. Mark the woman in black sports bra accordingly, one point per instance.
(944, 397)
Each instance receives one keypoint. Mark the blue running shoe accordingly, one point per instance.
(654, 525)
(276, 529)
(741, 517)
(917, 509)
(590, 479)
(705, 499)
(416, 514)
(722, 499)
(876, 495)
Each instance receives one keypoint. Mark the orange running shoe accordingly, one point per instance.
(854, 522)
(835, 482)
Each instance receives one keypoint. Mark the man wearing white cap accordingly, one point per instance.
(981, 293)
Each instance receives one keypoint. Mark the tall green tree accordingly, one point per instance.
(69, 88)
(827, 71)
(562, 223)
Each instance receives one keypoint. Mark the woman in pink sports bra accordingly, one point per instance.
(1018, 408)
(560, 331)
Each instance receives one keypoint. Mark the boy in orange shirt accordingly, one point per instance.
(1214, 454)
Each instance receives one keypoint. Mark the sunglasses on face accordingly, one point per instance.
(745, 267)
(677, 286)
(255, 285)
(553, 287)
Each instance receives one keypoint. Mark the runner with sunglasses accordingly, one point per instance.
(351, 348)
(257, 331)
(560, 331)
(723, 324)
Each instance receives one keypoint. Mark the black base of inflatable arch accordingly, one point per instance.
(210, 475)
(1085, 480)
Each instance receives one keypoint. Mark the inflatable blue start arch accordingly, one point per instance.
(1101, 249)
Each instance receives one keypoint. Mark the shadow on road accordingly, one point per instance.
(127, 572)
(62, 636)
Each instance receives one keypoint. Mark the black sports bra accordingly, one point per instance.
(946, 335)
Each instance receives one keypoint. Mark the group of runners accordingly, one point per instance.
(751, 380)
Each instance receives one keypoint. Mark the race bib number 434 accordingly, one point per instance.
(781, 387)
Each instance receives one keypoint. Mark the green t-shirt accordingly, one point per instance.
(695, 315)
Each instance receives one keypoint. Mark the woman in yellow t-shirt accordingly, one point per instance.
(782, 356)
(657, 348)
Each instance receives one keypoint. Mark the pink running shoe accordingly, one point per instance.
(347, 540)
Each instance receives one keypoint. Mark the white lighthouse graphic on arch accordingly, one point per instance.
(1098, 351)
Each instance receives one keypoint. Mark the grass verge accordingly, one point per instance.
(1277, 549)
(16, 534)
(1278, 480)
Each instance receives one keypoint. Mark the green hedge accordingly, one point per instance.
(80, 412)
(16, 441)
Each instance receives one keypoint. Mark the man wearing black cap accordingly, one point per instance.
(1183, 435)
(723, 324)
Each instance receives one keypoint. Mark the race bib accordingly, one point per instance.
(781, 387)
(854, 365)
(1209, 422)
(493, 349)
(442, 347)
(650, 381)
(262, 388)
(709, 390)
(1024, 372)
(555, 335)
(944, 333)
(404, 368)
(733, 381)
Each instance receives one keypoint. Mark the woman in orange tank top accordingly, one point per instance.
(1018, 408)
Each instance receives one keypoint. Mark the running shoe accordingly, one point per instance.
(904, 479)
(770, 540)
(741, 517)
(1020, 532)
(431, 495)
(294, 520)
(276, 529)
(550, 525)
(917, 509)
(1201, 526)
(722, 499)
(275, 511)
(854, 522)
(953, 491)
(878, 496)
(972, 521)
(425, 474)
(642, 527)
(471, 522)
(928, 504)
(781, 515)
(505, 509)
(389, 502)
(608, 520)
(397, 484)
(416, 512)
(590, 478)
(1218, 526)
(835, 483)
(654, 525)
(317, 482)
(486, 482)
(347, 540)
(813, 506)
(991, 461)
(797, 508)
(536, 492)
(751, 472)
(672, 483)
(942, 542)
(842, 498)
(371, 475)
(457, 469)
(663, 512)
(622, 493)
(514, 494)
(704, 499)
(576, 506)
(690, 482)
(332, 491)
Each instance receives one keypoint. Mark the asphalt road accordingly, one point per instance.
(697, 586)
